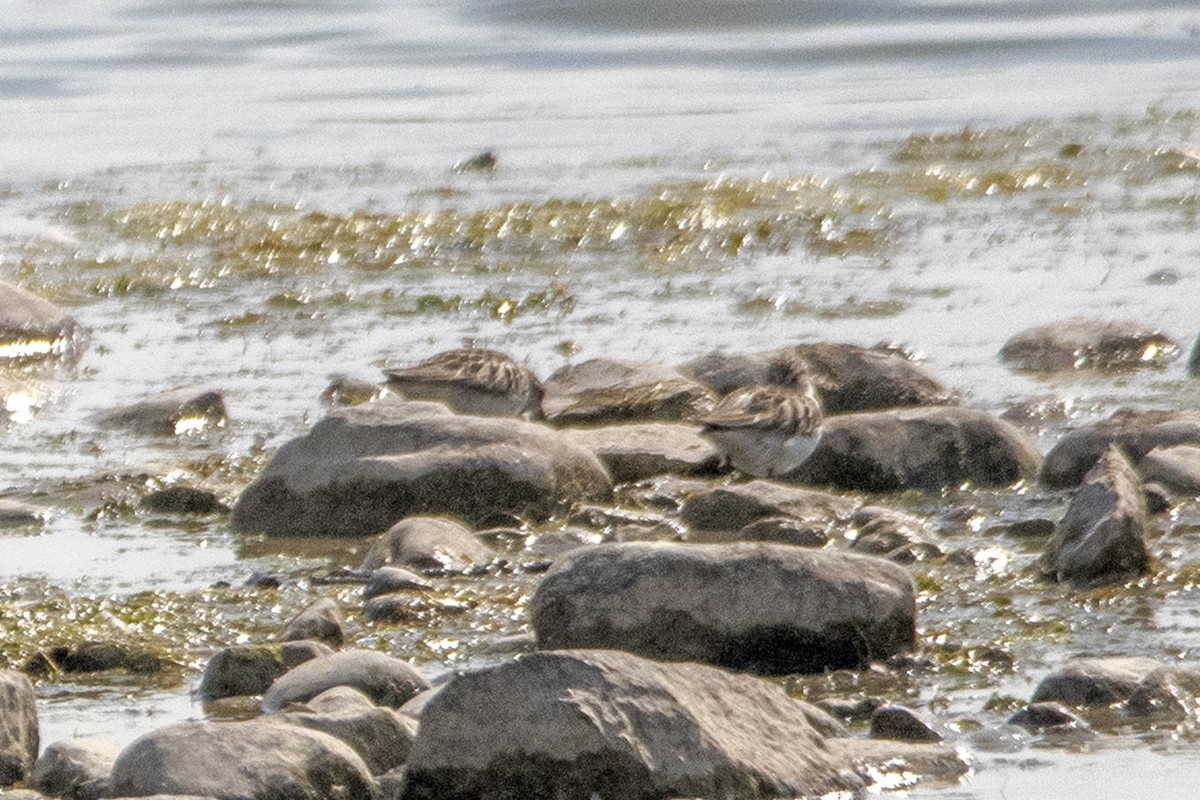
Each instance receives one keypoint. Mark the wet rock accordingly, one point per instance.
(273, 759)
(33, 329)
(1079, 343)
(881, 530)
(772, 609)
(18, 725)
(321, 621)
(184, 500)
(784, 530)
(603, 392)
(1088, 682)
(360, 470)
(1194, 360)
(386, 580)
(404, 607)
(183, 410)
(616, 725)
(1101, 537)
(485, 161)
(1036, 412)
(431, 544)
(1041, 716)
(857, 710)
(1175, 468)
(381, 737)
(15, 514)
(385, 680)
(848, 377)
(552, 544)
(1026, 529)
(733, 507)
(637, 451)
(901, 722)
(1135, 432)
(251, 669)
(93, 656)
(1168, 693)
(75, 768)
(1158, 499)
(927, 449)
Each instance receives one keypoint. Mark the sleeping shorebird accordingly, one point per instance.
(768, 429)
(472, 380)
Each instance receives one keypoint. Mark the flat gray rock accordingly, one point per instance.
(75, 768)
(434, 544)
(636, 451)
(604, 391)
(361, 469)
(1101, 537)
(734, 506)
(1135, 432)
(183, 410)
(259, 758)
(385, 680)
(15, 514)
(18, 727)
(1079, 343)
(1091, 682)
(380, 736)
(33, 329)
(1167, 694)
(927, 449)
(766, 608)
(604, 723)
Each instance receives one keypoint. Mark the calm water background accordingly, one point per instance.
(939, 174)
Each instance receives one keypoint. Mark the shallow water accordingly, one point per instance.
(258, 195)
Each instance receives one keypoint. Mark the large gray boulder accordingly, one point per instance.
(32, 328)
(361, 469)
(928, 449)
(635, 451)
(385, 680)
(1079, 343)
(1101, 537)
(766, 608)
(603, 391)
(258, 759)
(848, 377)
(18, 727)
(609, 724)
(1135, 432)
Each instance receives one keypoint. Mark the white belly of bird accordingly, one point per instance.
(761, 453)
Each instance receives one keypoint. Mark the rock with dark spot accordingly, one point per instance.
(848, 377)
(34, 329)
(1086, 682)
(386, 580)
(433, 544)
(381, 736)
(927, 449)
(258, 758)
(184, 500)
(767, 608)
(75, 768)
(183, 410)
(603, 391)
(18, 725)
(901, 722)
(1041, 716)
(1079, 343)
(1175, 468)
(636, 451)
(784, 530)
(361, 469)
(604, 723)
(734, 506)
(251, 669)
(1101, 537)
(321, 621)
(385, 680)
(1135, 432)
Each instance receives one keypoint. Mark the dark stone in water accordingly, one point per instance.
(901, 722)
(1040, 716)
(1136, 432)
(1080, 343)
(187, 409)
(34, 329)
(184, 500)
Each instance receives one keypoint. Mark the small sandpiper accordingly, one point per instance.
(768, 429)
(472, 380)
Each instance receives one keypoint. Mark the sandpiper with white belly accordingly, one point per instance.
(472, 380)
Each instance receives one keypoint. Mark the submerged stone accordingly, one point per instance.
(34, 329)
(1079, 343)
(183, 410)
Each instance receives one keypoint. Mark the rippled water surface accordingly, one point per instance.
(256, 196)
